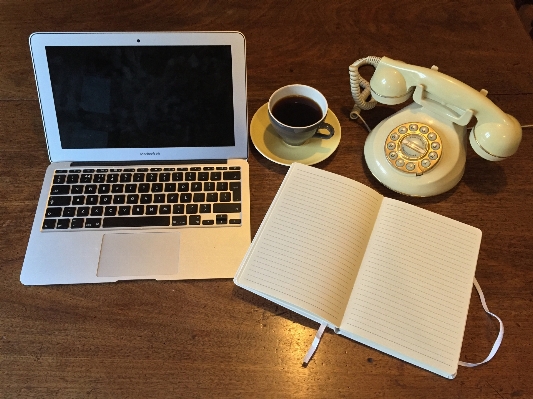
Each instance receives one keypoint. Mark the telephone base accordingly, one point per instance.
(438, 179)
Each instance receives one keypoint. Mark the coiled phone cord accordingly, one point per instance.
(357, 82)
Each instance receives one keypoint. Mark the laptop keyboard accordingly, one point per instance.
(200, 196)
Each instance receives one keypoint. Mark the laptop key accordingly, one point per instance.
(146, 199)
(59, 179)
(203, 176)
(63, 223)
(183, 187)
(157, 187)
(78, 200)
(69, 211)
(91, 200)
(73, 179)
(191, 208)
(222, 219)
(177, 176)
(138, 210)
(179, 220)
(138, 177)
(125, 177)
(222, 186)
(178, 209)
(90, 189)
(185, 197)
(198, 197)
(159, 198)
(227, 207)
(119, 199)
(77, 189)
(76, 223)
(124, 210)
(170, 187)
(225, 197)
(82, 211)
(52, 212)
(99, 178)
(235, 188)
(151, 209)
(93, 223)
(110, 211)
(112, 178)
(104, 189)
(117, 188)
(143, 188)
(132, 199)
(59, 190)
(139, 221)
(97, 210)
(59, 200)
(105, 199)
(212, 197)
(49, 224)
(232, 175)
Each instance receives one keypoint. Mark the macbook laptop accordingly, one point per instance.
(147, 138)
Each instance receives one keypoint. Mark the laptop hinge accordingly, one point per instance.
(144, 162)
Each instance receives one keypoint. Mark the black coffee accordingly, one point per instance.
(297, 111)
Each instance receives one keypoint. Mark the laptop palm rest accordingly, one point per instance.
(139, 254)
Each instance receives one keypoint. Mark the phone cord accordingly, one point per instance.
(357, 82)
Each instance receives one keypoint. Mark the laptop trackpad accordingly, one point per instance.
(139, 254)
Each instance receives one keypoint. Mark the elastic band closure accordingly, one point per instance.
(314, 345)
(495, 347)
(499, 339)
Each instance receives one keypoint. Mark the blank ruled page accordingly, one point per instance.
(412, 293)
(307, 252)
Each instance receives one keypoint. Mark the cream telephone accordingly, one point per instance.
(421, 150)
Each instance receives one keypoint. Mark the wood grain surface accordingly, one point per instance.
(148, 339)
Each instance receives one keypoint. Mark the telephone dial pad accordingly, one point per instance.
(413, 148)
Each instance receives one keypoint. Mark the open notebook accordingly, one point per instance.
(148, 142)
(382, 272)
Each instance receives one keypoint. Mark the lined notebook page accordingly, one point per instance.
(412, 294)
(307, 252)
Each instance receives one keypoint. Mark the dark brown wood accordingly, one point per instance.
(211, 338)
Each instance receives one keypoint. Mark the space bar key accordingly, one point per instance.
(139, 221)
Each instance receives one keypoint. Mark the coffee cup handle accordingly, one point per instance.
(326, 126)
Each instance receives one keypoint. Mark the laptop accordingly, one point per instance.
(148, 142)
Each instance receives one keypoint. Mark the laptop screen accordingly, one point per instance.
(142, 96)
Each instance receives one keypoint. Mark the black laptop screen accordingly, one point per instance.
(142, 97)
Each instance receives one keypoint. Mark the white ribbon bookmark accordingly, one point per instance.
(498, 341)
(314, 345)
(495, 347)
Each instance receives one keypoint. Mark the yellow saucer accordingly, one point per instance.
(271, 146)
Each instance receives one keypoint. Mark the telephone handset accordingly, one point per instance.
(421, 149)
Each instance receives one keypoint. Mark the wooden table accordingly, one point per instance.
(210, 338)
